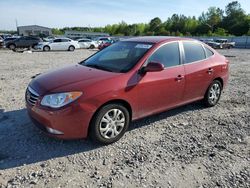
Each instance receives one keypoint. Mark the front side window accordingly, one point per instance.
(193, 52)
(168, 55)
(119, 57)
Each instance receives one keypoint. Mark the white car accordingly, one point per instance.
(58, 44)
(87, 43)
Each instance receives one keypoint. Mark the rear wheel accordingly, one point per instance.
(12, 46)
(213, 93)
(109, 124)
(92, 46)
(46, 48)
(71, 48)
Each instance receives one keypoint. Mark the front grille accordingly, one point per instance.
(31, 96)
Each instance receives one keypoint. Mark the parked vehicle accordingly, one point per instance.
(87, 43)
(225, 44)
(1, 42)
(221, 44)
(23, 42)
(103, 40)
(8, 39)
(105, 44)
(129, 80)
(58, 44)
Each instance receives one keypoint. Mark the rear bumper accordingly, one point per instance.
(71, 122)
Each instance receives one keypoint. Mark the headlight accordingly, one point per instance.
(58, 100)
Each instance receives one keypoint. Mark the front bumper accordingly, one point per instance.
(71, 122)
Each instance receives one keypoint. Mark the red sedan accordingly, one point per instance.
(128, 80)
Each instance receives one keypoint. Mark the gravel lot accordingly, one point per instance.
(190, 146)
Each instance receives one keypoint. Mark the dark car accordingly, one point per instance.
(8, 39)
(1, 42)
(23, 42)
(129, 80)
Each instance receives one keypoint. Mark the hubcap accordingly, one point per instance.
(112, 123)
(214, 93)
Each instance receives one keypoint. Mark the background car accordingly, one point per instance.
(8, 39)
(58, 44)
(105, 44)
(87, 43)
(101, 40)
(23, 42)
(1, 42)
(225, 44)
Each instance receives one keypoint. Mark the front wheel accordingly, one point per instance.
(46, 48)
(109, 124)
(213, 94)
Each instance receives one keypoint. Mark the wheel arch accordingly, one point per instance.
(113, 101)
(220, 80)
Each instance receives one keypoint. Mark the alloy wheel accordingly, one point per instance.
(112, 123)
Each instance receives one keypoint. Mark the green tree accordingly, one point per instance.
(235, 21)
(212, 18)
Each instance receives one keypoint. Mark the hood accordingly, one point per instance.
(76, 74)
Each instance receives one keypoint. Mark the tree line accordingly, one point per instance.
(213, 22)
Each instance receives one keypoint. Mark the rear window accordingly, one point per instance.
(193, 52)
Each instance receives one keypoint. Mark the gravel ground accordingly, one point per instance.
(190, 146)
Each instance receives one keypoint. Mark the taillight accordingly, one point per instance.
(225, 66)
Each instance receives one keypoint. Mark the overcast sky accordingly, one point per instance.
(91, 13)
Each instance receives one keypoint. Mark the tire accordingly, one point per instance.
(12, 46)
(213, 94)
(105, 128)
(92, 46)
(71, 48)
(46, 48)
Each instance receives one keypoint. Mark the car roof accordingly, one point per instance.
(156, 39)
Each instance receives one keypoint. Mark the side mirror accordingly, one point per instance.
(152, 67)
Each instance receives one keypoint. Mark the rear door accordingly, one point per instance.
(162, 90)
(55, 45)
(65, 43)
(198, 70)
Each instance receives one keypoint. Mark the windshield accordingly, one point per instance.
(119, 57)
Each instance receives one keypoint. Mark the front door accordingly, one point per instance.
(162, 90)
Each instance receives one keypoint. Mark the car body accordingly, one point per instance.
(220, 44)
(1, 42)
(105, 44)
(225, 44)
(126, 81)
(87, 43)
(58, 44)
(103, 39)
(23, 42)
(8, 39)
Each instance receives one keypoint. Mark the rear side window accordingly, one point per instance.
(209, 53)
(193, 52)
(168, 55)
(57, 40)
(64, 40)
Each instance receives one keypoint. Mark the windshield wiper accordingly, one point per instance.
(98, 67)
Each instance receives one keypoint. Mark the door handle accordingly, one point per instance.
(210, 70)
(179, 78)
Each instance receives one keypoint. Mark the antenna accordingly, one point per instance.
(16, 23)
